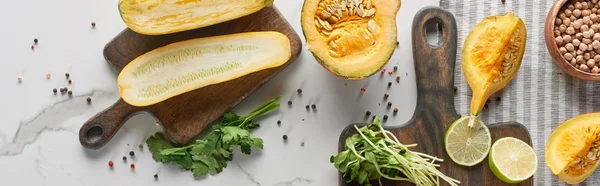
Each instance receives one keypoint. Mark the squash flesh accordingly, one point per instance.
(155, 17)
(492, 56)
(184, 66)
(356, 46)
(570, 144)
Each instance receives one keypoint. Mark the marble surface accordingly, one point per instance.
(39, 130)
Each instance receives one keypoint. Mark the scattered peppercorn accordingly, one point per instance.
(397, 79)
(70, 81)
(385, 117)
(313, 106)
(20, 79)
(279, 122)
(486, 105)
(390, 72)
(382, 71)
(66, 89)
(503, 1)
(363, 90)
(368, 113)
(395, 110)
(70, 93)
(62, 90)
(395, 68)
(93, 24)
(48, 75)
(285, 137)
(389, 84)
(32, 47)
(110, 163)
(389, 104)
(124, 158)
(302, 143)
(373, 117)
(307, 107)
(397, 43)
(487, 101)
(132, 166)
(131, 153)
(35, 40)
(289, 102)
(54, 90)
(89, 100)
(299, 91)
(67, 75)
(386, 95)
(141, 146)
(155, 176)
(498, 99)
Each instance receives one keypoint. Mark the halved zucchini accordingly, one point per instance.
(187, 65)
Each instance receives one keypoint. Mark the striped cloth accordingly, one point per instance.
(540, 97)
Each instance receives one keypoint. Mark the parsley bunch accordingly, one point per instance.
(372, 154)
(211, 154)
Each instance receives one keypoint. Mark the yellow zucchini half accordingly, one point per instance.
(188, 65)
(157, 17)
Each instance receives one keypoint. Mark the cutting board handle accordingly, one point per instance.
(434, 64)
(99, 129)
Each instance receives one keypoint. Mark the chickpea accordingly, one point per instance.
(594, 18)
(573, 62)
(596, 37)
(586, 41)
(577, 13)
(570, 30)
(559, 41)
(570, 47)
(568, 56)
(591, 63)
(567, 38)
(563, 51)
(579, 36)
(557, 22)
(584, 5)
(587, 34)
(562, 15)
(586, 12)
(566, 21)
(568, 13)
(576, 42)
(578, 5)
(587, 56)
(594, 27)
(597, 58)
(586, 20)
(577, 24)
(570, 7)
(579, 53)
(596, 44)
(584, 28)
(595, 70)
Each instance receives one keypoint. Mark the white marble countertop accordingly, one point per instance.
(39, 130)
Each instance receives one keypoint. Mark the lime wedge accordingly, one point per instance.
(512, 160)
(467, 141)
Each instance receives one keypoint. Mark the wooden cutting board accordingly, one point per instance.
(183, 117)
(435, 112)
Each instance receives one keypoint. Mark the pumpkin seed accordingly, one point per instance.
(333, 54)
(360, 11)
(368, 4)
(371, 12)
(372, 26)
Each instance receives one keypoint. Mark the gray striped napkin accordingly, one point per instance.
(540, 97)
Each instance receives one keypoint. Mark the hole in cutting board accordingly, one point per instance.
(434, 33)
(94, 134)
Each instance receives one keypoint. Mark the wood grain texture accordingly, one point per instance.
(560, 61)
(435, 112)
(183, 117)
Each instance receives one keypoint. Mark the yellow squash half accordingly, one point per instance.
(491, 56)
(187, 65)
(352, 39)
(156, 17)
(572, 150)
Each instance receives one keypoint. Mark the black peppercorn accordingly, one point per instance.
(395, 68)
(155, 176)
(313, 106)
(386, 95)
(289, 102)
(131, 153)
(487, 101)
(389, 104)
(385, 117)
(368, 113)
(93, 24)
(67, 75)
(455, 89)
(141, 146)
(89, 100)
(395, 110)
(498, 99)
(299, 91)
(285, 137)
(54, 90)
(389, 84)
(307, 107)
(486, 105)
(70, 93)
(35, 40)
(278, 122)
(124, 158)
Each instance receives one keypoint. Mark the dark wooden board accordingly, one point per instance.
(435, 112)
(183, 117)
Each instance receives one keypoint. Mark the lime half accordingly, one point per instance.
(512, 160)
(467, 141)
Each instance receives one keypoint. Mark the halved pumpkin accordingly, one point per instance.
(156, 17)
(351, 38)
(572, 151)
(187, 65)
(491, 56)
